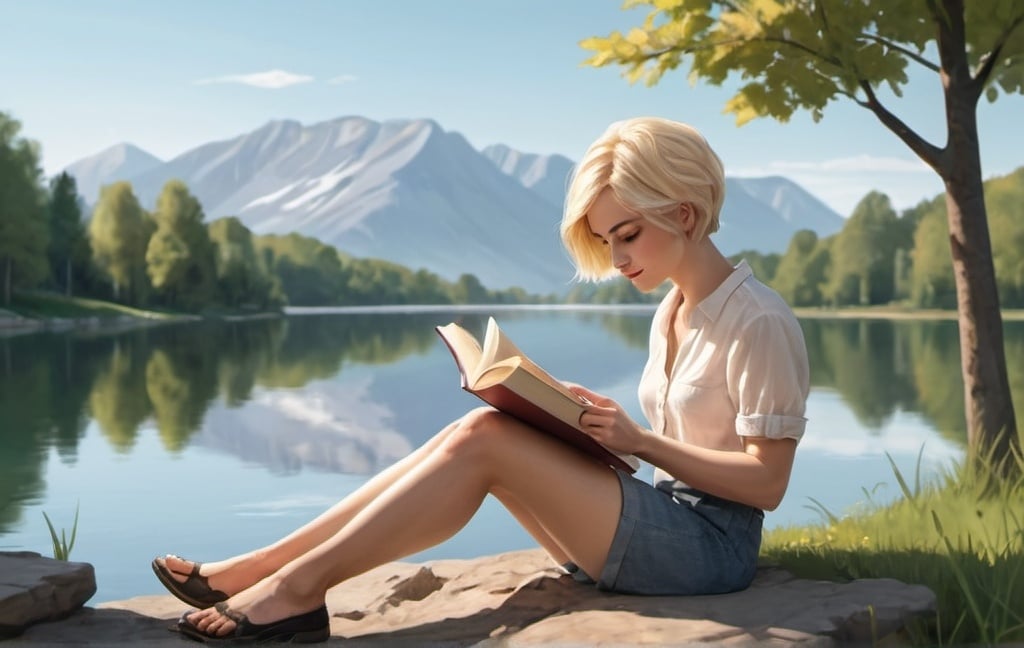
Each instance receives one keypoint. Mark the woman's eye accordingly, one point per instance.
(629, 238)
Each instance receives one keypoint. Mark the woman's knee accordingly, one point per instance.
(480, 430)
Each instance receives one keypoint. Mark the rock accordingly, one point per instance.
(522, 599)
(34, 588)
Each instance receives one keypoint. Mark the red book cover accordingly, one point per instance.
(506, 400)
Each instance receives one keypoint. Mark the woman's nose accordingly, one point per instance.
(619, 259)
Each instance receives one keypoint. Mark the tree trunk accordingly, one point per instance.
(67, 277)
(7, 283)
(991, 422)
(988, 404)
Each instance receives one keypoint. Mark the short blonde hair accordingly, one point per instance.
(653, 166)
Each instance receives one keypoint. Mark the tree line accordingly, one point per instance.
(171, 258)
(884, 257)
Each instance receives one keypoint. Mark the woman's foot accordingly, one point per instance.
(203, 584)
(268, 606)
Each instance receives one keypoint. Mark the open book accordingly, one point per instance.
(502, 376)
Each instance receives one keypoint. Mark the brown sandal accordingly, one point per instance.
(194, 590)
(311, 627)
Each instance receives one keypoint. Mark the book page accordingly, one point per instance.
(465, 349)
(498, 348)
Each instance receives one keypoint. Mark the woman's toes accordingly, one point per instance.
(202, 619)
(178, 565)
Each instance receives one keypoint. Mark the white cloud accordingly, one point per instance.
(343, 78)
(271, 79)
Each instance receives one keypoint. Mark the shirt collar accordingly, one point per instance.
(713, 304)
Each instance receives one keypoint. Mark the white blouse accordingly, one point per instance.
(741, 369)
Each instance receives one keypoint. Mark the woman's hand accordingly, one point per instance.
(606, 422)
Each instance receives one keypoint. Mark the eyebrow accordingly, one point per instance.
(617, 226)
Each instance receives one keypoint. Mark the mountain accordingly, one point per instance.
(119, 162)
(404, 190)
(547, 175)
(410, 192)
(758, 214)
(792, 203)
(763, 214)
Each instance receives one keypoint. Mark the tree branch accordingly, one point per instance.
(931, 154)
(767, 39)
(989, 61)
(909, 53)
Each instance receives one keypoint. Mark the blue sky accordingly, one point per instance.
(83, 75)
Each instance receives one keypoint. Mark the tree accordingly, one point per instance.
(307, 272)
(864, 253)
(241, 277)
(118, 236)
(931, 279)
(23, 232)
(802, 270)
(763, 265)
(469, 290)
(1005, 199)
(179, 257)
(804, 54)
(69, 246)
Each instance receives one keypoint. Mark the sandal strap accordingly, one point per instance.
(225, 610)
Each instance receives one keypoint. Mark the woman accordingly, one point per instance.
(724, 391)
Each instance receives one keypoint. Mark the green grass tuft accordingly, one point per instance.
(61, 545)
(962, 536)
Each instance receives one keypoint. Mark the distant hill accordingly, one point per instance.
(792, 203)
(119, 162)
(410, 192)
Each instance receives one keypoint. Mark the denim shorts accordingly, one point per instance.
(678, 542)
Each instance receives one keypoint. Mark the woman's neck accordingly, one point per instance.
(702, 270)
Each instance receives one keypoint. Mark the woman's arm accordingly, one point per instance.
(757, 476)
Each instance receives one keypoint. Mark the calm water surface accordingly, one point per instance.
(208, 439)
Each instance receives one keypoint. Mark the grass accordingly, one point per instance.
(61, 545)
(49, 305)
(44, 305)
(962, 536)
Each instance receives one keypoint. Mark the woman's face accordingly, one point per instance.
(643, 252)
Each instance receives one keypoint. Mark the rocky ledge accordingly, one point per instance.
(521, 598)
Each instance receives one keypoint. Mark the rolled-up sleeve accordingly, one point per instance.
(768, 377)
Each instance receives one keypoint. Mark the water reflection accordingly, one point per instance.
(333, 392)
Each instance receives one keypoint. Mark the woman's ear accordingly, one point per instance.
(687, 219)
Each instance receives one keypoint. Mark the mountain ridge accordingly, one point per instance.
(410, 192)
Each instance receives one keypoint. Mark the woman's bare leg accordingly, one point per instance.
(533, 526)
(572, 499)
(234, 574)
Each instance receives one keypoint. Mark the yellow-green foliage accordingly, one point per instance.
(803, 55)
(962, 537)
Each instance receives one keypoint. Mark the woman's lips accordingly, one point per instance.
(632, 275)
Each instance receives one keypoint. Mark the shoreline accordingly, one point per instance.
(893, 313)
(12, 324)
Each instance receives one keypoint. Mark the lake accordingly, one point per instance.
(209, 438)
